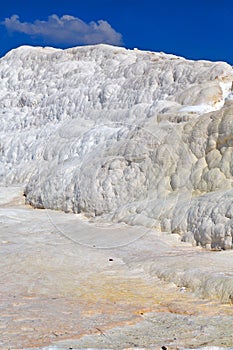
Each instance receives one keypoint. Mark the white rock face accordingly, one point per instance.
(128, 136)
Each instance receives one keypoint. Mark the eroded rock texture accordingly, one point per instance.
(130, 136)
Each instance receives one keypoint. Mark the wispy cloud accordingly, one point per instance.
(67, 30)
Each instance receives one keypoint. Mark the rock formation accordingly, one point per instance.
(123, 135)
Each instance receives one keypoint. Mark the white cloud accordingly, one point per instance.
(67, 29)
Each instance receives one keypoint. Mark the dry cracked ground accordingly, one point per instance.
(68, 283)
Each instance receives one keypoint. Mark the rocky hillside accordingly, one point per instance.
(126, 136)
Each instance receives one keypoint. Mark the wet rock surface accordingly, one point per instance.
(67, 282)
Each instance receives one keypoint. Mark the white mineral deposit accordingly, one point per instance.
(116, 210)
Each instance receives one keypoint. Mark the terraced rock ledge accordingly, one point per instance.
(66, 282)
(116, 211)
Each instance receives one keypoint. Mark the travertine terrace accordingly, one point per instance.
(131, 136)
(129, 154)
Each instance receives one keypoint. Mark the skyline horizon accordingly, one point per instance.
(197, 30)
(123, 47)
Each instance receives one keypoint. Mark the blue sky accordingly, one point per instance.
(200, 29)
